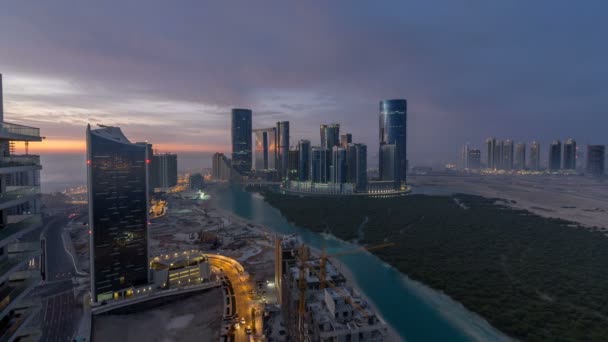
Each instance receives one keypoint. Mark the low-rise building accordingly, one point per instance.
(180, 269)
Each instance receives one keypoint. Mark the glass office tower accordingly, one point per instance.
(118, 213)
(535, 156)
(241, 139)
(304, 160)
(569, 155)
(283, 148)
(330, 135)
(319, 170)
(393, 131)
(265, 148)
(555, 155)
(596, 158)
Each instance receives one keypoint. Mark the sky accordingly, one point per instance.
(170, 71)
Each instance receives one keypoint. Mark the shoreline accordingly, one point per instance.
(392, 334)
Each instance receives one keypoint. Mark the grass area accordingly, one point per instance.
(533, 278)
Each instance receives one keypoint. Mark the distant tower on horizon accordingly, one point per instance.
(474, 159)
(464, 156)
(507, 154)
(330, 135)
(555, 155)
(346, 139)
(490, 150)
(241, 139)
(569, 160)
(283, 148)
(265, 151)
(304, 150)
(361, 167)
(535, 156)
(320, 157)
(393, 131)
(596, 158)
(519, 162)
(338, 165)
(118, 213)
(166, 166)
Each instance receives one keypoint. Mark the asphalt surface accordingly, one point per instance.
(60, 311)
(244, 304)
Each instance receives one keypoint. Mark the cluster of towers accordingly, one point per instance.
(507, 155)
(336, 160)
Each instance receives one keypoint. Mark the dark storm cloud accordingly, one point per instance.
(469, 69)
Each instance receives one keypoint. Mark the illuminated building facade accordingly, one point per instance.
(241, 139)
(118, 213)
(393, 131)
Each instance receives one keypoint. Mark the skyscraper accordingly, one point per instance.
(222, 168)
(474, 159)
(319, 165)
(330, 135)
(118, 213)
(282, 148)
(361, 167)
(166, 166)
(535, 156)
(464, 157)
(293, 164)
(393, 131)
(241, 140)
(490, 148)
(351, 163)
(555, 155)
(304, 160)
(390, 166)
(520, 156)
(596, 157)
(22, 252)
(569, 160)
(338, 165)
(265, 152)
(346, 139)
(498, 155)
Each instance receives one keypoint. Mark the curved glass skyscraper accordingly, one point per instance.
(241, 139)
(393, 131)
(118, 213)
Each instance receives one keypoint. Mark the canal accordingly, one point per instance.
(416, 312)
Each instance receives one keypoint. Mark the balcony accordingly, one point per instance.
(18, 194)
(10, 295)
(9, 131)
(14, 263)
(16, 163)
(15, 230)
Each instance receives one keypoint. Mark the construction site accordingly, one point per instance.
(315, 300)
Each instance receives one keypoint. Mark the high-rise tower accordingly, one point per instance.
(283, 148)
(241, 139)
(519, 162)
(569, 160)
(330, 135)
(535, 156)
(393, 131)
(596, 157)
(118, 213)
(555, 155)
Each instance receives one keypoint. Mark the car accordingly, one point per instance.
(248, 330)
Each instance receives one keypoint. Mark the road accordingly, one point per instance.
(242, 289)
(60, 311)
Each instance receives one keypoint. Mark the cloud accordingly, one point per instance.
(171, 72)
